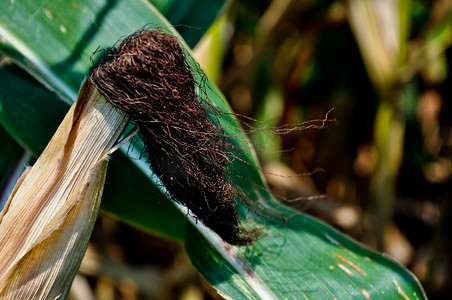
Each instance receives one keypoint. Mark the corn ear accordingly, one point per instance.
(47, 222)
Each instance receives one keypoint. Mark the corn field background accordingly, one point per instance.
(380, 172)
(385, 69)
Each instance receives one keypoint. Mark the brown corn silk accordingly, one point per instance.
(147, 76)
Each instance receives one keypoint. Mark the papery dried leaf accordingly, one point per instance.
(49, 217)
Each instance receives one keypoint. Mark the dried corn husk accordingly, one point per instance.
(47, 222)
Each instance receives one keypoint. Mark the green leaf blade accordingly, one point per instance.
(306, 260)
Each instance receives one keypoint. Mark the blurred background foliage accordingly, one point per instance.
(381, 172)
(384, 67)
(385, 163)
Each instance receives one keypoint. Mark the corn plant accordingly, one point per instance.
(296, 256)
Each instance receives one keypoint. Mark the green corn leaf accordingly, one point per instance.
(191, 18)
(10, 157)
(297, 257)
